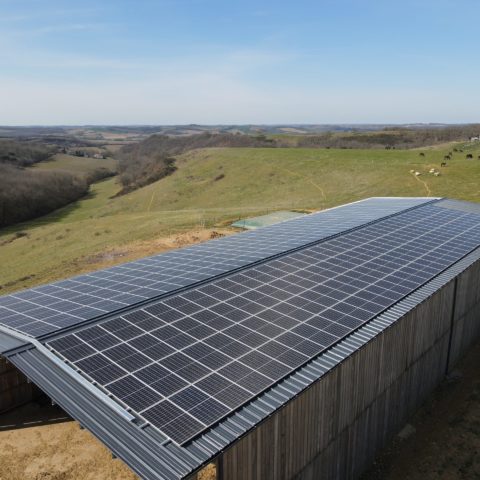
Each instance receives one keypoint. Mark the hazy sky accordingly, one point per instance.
(251, 61)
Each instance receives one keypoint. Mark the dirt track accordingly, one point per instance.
(445, 446)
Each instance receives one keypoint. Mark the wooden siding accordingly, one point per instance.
(466, 319)
(333, 429)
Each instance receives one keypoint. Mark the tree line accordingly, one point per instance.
(27, 193)
(23, 154)
(400, 138)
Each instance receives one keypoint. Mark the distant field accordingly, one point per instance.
(75, 165)
(210, 189)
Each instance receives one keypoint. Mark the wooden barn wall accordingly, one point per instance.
(14, 387)
(466, 318)
(333, 429)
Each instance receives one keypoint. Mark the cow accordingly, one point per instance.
(447, 157)
(469, 155)
(443, 164)
(421, 154)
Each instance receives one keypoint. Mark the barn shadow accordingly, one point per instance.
(33, 414)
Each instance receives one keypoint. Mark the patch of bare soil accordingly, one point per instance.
(53, 451)
(144, 248)
(443, 441)
(14, 237)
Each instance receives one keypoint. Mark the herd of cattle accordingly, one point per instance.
(449, 156)
(446, 158)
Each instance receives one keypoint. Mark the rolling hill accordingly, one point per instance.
(211, 188)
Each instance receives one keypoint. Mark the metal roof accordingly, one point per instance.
(148, 452)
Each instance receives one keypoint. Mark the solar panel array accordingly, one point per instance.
(187, 361)
(45, 309)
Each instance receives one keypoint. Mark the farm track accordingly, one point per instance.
(427, 188)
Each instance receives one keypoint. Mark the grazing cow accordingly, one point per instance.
(447, 157)
(443, 164)
(437, 174)
(479, 157)
(422, 154)
(469, 155)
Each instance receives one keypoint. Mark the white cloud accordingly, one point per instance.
(233, 62)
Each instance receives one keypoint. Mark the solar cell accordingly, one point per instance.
(306, 301)
(49, 308)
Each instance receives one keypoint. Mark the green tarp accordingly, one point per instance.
(264, 220)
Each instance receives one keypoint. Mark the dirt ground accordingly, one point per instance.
(38, 442)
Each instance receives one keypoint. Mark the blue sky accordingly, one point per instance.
(212, 61)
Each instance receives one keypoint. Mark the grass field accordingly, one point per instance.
(75, 165)
(211, 188)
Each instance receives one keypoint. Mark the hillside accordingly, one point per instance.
(153, 158)
(86, 167)
(265, 179)
(210, 188)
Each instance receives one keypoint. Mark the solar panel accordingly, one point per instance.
(185, 362)
(45, 309)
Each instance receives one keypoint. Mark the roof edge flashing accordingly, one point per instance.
(93, 389)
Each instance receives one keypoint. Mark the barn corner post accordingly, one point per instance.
(466, 318)
(219, 468)
(452, 324)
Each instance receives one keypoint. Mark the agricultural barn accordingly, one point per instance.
(292, 351)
